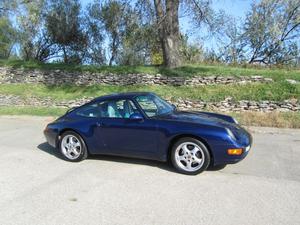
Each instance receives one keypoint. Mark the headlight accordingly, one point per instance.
(230, 133)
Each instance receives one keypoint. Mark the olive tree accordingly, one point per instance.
(64, 26)
(272, 28)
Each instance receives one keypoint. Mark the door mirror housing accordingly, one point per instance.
(174, 107)
(136, 116)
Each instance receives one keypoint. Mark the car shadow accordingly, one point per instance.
(216, 167)
(45, 147)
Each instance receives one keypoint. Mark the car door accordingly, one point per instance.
(125, 136)
(88, 124)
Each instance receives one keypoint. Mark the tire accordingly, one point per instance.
(190, 156)
(72, 147)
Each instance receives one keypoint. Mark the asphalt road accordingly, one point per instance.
(37, 187)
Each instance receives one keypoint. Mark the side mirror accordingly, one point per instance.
(136, 116)
(174, 107)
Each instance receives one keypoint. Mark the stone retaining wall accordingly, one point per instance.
(51, 77)
(54, 77)
(227, 105)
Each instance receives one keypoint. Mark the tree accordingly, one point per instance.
(30, 28)
(111, 16)
(168, 29)
(95, 51)
(29, 32)
(7, 37)
(128, 37)
(63, 24)
(167, 13)
(271, 28)
(230, 41)
(44, 48)
(139, 39)
(139, 44)
(11, 5)
(191, 53)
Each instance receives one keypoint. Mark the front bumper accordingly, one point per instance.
(222, 157)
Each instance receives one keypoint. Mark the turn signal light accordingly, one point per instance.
(235, 151)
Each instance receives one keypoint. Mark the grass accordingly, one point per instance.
(31, 111)
(187, 70)
(276, 91)
(273, 119)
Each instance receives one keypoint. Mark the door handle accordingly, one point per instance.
(98, 124)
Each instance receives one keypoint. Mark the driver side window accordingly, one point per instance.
(122, 108)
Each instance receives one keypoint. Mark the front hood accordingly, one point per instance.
(203, 118)
(210, 119)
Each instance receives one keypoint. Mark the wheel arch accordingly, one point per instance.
(69, 129)
(179, 136)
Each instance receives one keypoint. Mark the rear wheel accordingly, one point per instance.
(190, 156)
(72, 147)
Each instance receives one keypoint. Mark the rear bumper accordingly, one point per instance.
(51, 137)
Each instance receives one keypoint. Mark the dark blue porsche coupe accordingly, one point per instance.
(142, 125)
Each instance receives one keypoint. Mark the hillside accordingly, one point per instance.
(185, 71)
(252, 94)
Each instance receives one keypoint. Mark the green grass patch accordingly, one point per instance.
(186, 71)
(32, 111)
(276, 91)
(271, 119)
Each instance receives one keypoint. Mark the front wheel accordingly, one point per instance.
(190, 156)
(72, 147)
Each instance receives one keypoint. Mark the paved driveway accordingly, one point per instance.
(37, 187)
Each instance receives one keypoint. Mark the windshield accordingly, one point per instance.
(152, 105)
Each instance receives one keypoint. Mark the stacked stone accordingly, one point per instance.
(227, 105)
(54, 77)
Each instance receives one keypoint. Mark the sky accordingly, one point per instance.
(237, 8)
(234, 7)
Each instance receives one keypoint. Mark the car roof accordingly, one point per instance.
(121, 95)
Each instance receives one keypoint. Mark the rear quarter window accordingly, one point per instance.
(91, 110)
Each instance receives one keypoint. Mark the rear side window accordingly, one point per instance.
(91, 110)
(121, 108)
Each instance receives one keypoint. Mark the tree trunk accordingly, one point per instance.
(114, 49)
(65, 55)
(168, 29)
(111, 60)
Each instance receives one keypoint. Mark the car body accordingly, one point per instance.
(105, 127)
